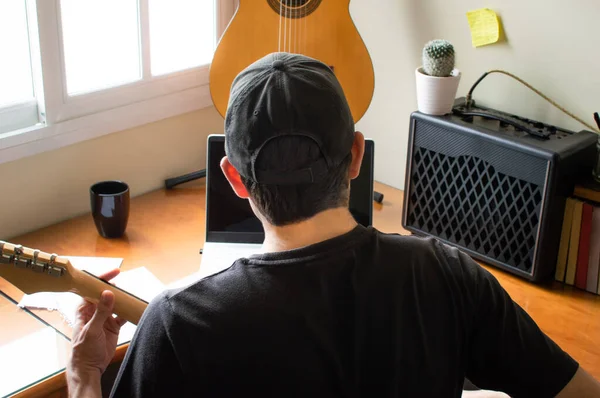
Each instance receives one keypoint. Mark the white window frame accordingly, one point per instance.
(25, 114)
(64, 120)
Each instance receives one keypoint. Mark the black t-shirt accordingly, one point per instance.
(365, 314)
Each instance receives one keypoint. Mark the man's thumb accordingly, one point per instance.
(104, 309)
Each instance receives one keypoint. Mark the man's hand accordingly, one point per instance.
(94, 342)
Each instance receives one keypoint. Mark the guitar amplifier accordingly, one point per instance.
(494, 185)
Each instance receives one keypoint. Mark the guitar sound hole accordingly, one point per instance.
(294, 8)
(294, 3)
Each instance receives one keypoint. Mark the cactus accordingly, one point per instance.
(438, 58)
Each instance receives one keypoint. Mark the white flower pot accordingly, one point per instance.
(436, 95)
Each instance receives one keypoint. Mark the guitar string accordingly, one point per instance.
(304, 18)
(296, 39)
(285, 19)
(295, 36)
(279, 34)
(284, 26)
(299, 19)
(289, 3)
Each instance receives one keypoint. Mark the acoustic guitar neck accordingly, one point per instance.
(34, 271)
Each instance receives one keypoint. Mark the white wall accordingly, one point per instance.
(54, 186)
(552, 44)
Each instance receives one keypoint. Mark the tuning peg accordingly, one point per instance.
(3, 260)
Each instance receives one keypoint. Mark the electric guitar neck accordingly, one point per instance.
(34, 271)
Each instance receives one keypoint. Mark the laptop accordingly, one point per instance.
(232, 229)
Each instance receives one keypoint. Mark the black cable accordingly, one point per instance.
(172, 182)
(469, 101)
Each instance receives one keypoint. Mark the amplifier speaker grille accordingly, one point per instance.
(466, 201)
(491, 189)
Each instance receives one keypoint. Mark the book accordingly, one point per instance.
(583, 255)
(565, 236)
(594, 259)
(574, 243)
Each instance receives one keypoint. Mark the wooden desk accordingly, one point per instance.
(166, 231)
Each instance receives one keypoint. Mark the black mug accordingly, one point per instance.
(110, 207)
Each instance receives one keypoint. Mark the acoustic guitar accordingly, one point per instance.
(321, 29)
(34, 271)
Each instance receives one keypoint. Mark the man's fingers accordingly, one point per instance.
(120, 321)
(84, 313)
(110, 274)
(104, 310)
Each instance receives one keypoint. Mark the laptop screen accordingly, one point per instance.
(230, 219)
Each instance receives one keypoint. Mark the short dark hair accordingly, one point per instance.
(287, 204)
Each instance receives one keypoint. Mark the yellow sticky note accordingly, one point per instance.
(484, 25)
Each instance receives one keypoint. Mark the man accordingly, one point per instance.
(331, 308)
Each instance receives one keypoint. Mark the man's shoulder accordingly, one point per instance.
(208, 293)
(411, 248)
(426, 256)
(406, 242)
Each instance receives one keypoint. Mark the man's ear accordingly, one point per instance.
(358, 150)
(234, 178)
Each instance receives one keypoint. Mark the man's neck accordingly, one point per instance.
(323, 226)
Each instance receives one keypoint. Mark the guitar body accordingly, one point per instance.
(321, 29)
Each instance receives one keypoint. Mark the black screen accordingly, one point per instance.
(231, 219)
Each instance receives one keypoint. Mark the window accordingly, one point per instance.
(101, 43)
(15, 76)
(107, 65)
(181, 22)
(18, 107)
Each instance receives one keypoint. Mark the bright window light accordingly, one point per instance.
(16, 83)
(101, 43)
(182, 34)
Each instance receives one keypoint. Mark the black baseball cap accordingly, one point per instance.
(283, 95)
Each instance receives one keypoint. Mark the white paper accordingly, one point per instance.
(66, 303)
(139, 282)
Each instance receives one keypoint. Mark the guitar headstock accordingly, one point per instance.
(34, 271)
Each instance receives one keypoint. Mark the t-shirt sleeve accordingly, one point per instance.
(151, 367)
(507, 351)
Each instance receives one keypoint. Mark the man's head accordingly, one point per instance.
(289, 139)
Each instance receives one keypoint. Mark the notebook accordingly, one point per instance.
(232, 229)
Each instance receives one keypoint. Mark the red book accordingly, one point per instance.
(583, 257)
